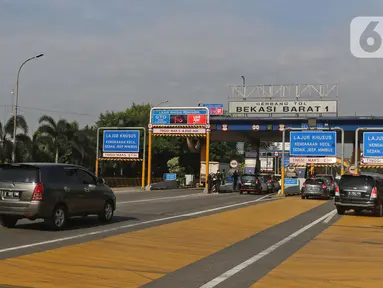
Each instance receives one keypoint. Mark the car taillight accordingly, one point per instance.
(337, 191)
(332, 182)
(374, 193)
(270, 181)
(324, 186)
(304, 184)
(256, 181)
(38, 192)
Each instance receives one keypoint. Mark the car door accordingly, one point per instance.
(93, 193)
(70, 188)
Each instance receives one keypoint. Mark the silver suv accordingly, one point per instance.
(53, 192)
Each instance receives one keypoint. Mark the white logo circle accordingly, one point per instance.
(255, 127)
(233, 163)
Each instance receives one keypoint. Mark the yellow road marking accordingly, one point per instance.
(136, 258)
(348, 254)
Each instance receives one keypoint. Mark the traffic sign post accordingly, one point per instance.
(303, 145)
(214, 109)
(179, 122)
(313, 143)
(121, 144)
(233, 164)
(353, 169)
(372, 146)
(170, 176)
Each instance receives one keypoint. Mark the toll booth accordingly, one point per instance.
(306, 170)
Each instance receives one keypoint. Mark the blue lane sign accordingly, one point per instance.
(313, 143)
(214, 109)
(170, 176)
(121, 141)
(291, 181)
(373, 144)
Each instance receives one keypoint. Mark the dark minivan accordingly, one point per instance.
(362, 192)
(53, 192)
(250, 184)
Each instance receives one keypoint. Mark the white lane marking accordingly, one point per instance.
(216, 281)
(328, 219)
(63, 239)
(162, 198)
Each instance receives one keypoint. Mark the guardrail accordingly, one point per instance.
(126, 182)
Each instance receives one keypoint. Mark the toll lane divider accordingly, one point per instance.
(216, 281)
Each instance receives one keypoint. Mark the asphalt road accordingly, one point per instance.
(261, 241)
(135, 210)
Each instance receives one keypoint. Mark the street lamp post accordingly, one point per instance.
(244, 86)
(16, 105)
(163, 102)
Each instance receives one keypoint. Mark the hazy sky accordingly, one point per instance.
(103, 55)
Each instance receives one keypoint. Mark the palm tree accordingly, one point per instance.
(40, 149)
(55, 133)
(82, 145)
(23, 141)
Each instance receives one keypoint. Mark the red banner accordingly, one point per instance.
(197, 119)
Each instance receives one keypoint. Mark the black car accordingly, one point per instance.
(361, 192)
(251, 184)
(316, 187)
(331, 180)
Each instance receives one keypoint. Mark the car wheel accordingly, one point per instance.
(107, 214)
(340, 210)
(59, 218)
(240, 192)
(8, 221)
(379, 210)
(303, 197)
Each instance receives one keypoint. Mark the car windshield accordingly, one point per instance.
(362, 180)
(316, 181)
(249, 178)
(23, 174)
(328, 177)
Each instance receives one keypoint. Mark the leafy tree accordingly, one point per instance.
(23, 142)
(175, 167)
(54, 133)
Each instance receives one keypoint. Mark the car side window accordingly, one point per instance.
(59, 175)
(86, 178)
(69, 175)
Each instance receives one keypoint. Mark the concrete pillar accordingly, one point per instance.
(255, 146)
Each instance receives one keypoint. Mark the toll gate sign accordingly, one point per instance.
(373, 144)
(313, 143)
(176, 117)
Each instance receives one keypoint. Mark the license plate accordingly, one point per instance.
(11, 194)
(354, 194)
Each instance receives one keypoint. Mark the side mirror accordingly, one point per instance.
(100, 180)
